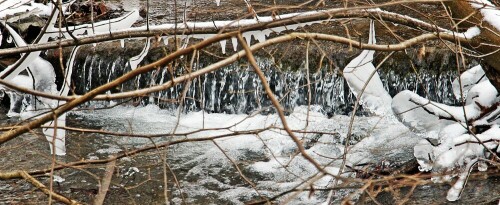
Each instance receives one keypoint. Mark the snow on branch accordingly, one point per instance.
(489, 11)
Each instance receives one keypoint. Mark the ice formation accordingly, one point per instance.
(41, 78)
(223, 46)
(136, 60)
(454, 136)
(16, 98)
(360, 70)
(468, 79)
(447, 145)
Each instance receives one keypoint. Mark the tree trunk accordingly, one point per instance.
(487, 43)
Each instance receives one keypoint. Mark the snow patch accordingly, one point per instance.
(489, 11)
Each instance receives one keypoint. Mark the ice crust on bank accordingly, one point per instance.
(42, 71)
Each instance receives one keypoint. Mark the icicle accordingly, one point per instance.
(67, 79)
(248, 37)
(202, 36)
(122, 43)
(113, 68)
(372, 39)
(9, 39)
(223, 46)
(278, 30)
(234, 41)
(292, 27)
(259, 35)
(266, 32)
(1, 38)
(217, 2)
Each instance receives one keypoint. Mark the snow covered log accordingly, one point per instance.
(487, 15)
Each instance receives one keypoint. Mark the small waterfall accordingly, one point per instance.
(237, 89)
